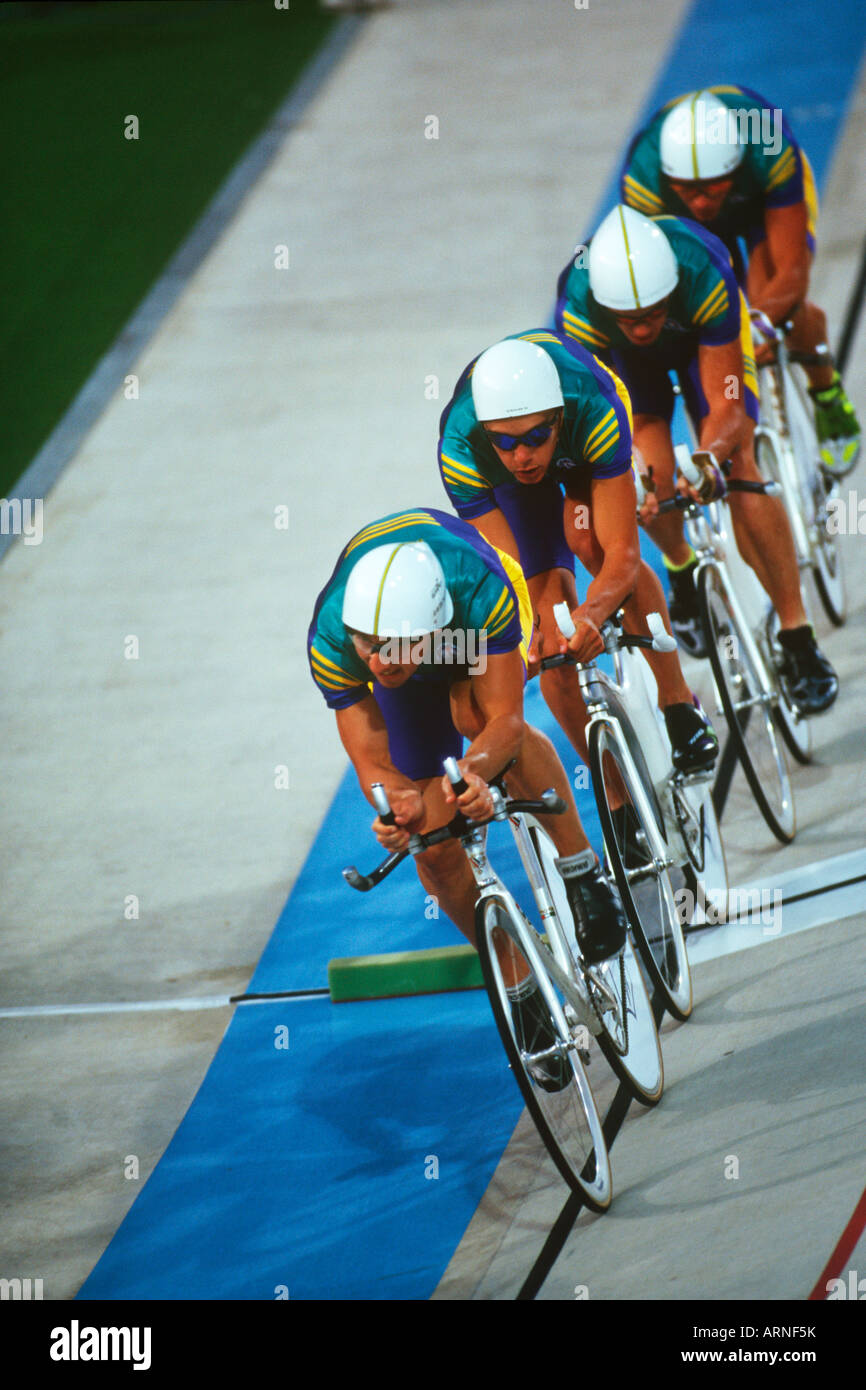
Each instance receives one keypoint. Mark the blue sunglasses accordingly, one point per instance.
(531, 440)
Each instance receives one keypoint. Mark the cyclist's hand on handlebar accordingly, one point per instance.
(408, 808)
(587, 641)
(476, 803)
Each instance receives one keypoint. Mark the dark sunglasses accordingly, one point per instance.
(531, 440)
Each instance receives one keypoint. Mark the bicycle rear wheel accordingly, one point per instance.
(629, 1037)
(646, 886)
(826, 560)
(547, 1067)
(707, 868)
(747, 701)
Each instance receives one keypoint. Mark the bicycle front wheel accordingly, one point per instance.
(648, 892)
(629, 1037)
(747, 700)
(542, 1049)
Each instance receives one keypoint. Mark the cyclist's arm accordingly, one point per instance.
(613, 504)
(725, 427)
(497, 695)
(495, 529)
(365, 738)
(789, 256)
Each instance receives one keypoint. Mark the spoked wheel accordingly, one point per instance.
(707, 868)
(648, 886)
(826, 560)
(796, 731)
(629, 1038)
(542, 1049)
(747, 700)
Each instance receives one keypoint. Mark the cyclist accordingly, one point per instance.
(419, 639)
(659, 295)
(531, 416)
(724, 157)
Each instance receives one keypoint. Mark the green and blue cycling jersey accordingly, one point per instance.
(595, 439)
(483, 588)
(705, 308)
(773, 173)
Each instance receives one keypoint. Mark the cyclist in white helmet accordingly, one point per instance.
(534, 417)
(659, 295)
(726, 158)
(419, 639)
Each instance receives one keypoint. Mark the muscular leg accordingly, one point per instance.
(809, 322)
(537, 768)
(764, 539)
(646, 597)
(652, 436)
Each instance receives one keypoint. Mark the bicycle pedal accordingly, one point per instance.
(584, 1055)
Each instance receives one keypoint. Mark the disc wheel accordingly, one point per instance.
(747, 700)
(542, 1050)
(629, 1037)
(648, 887)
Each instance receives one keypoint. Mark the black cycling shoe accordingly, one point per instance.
(688, 629)
(599, 920)
(535, 1034)
(693, 739)
(684, 612)
(808, 680)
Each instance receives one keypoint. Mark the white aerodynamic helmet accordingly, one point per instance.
(699, 140)
(631, 264)
(397, 590)
(514, 378)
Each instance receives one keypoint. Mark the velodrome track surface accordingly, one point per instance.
(304, 1168)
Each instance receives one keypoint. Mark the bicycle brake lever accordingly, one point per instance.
(563, 619)
(662, 640)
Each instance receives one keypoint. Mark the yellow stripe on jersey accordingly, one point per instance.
(782, 169)
(602, 427)
(811, 194)
(579, 328)
(495, 614)
(540, 337)
(502, 623)
(598, 448)
(328, 674)
(640, 197)
(524, 603)
(382, 528)
(716, 302)
(461, 473)
(750, 374)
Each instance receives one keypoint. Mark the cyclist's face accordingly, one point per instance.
(375, 653)
(704, 198)
(643, 326)
(528, 464)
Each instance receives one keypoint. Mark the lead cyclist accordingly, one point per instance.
(726, 158)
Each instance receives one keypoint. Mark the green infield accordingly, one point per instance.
(93, 216)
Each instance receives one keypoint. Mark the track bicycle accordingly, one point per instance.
(740, 627)
(661, 834)
(787, 450)
(573, 1001)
